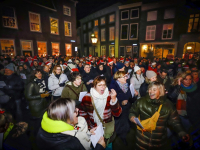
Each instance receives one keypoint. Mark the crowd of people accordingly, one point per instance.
(140, 102)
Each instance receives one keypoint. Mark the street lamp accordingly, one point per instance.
(94, 41)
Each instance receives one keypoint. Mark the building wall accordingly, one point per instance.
(23, 32)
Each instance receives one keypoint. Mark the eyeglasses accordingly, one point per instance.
(125, 76)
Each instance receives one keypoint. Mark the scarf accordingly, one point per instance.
(123, 87)
(41, 84)
(100, 103)
(190, 88)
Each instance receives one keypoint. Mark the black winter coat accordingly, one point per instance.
(89, 76)
(143, 88)
(37, 105)
(145, 108)
(59, 141)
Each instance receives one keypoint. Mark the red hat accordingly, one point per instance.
(35, 58)
(21, 60)
(88, 63)
(75, 69)
(104, 56)
(47, 63)
(186, 66)
(110, 60)
(100, 61)
(90, 55)
(40, 63)
(121, 59)
(65, 64)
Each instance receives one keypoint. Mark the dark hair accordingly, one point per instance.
(35, 72)
(74, 75)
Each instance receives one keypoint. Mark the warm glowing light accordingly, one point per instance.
(93, 38)
(189, 47)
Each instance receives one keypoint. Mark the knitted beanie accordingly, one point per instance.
(150, 74)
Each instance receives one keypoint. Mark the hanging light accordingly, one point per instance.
(93, 39)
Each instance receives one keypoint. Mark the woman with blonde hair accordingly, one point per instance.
(155, 113)
(56, 82)
(185, 94)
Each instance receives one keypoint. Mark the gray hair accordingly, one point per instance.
(62, 109)
(159, 85)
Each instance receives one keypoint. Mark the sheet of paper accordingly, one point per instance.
(129, 70)
(23, 76)
(102, 75)
(2, 84)
(138, 123)
(132, 89)
(81, 95)
(91, 81)
(99, 132)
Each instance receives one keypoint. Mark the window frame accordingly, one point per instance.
(127, 32)
(146, 34)
(167, 31)
(128, 14)
(130, 32)
(52, 47)
(104, 20)
(110, 49)
(39, 22)
(101, 49)
(70, 13)
(50, 25)
(131, 14)
(65, 48)
(70, 29)
(13, 45)
(104, 34)
(46, 46)
(110, 34)
(97, 22)
(120, 51)
(198, 24)
(156, 15)
(15, 20)
(31, 50)
(113, 19)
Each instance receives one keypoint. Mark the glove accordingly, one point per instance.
(44, 95)
(62, 84)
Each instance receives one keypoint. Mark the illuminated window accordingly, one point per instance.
(111, 51)
(96, 34)
(7, 47)
(194, 23)
(167, 31)
(55, 49)
(66, 10)
(111, 33)
(152, 15)
(54, 26)
(150, 32)
(103, 35)
(68, 48)
(9, 17)
(68, 28)
(42, 48)
(103, 50)
(103, 20)
(96, 23)
(26, 45)
(112, 18)
(34, 21)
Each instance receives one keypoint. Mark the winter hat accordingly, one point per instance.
(186, 66)
(35, 58)
(75, 69)
(136, 68)
(65, 64)
(47, 63)
(121, 59)
(90, 56)
(150, 74)
(120, 65)
(69, 61)
(100, 61)
(153, 63)
(22, 61)
(10, 66)
(110, 60)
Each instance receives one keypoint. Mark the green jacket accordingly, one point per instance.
(145, 108)
(70, 90)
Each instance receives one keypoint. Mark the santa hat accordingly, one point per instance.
(35, 58)
(121, 59)
(47, 63)
(88, 63)
(153, 63)
(110, 60)
(65, 64)
(186, 66)
(22, 61)
(75, 69)
(127, 61)
(104, 56)
(100, 61)
(69, 61)
(90, 55)
(40, 63)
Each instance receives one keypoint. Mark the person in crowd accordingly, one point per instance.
(73, 87)
(56, 82)
(110, 67)
(153, 67)
(14, 88)
(36, 95)
(127, 66)
(156, 107)
(151, 76)
(80, 67)
(45, 73)
(88, 76)
(137, 79)
(15, 136)
(61, 128)
(195, 76)
(164, 78)
(102, 71)
(99, 106)
(35, 65)
(122, 124)
(185, 94)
